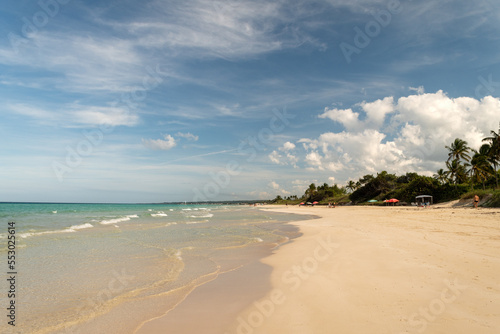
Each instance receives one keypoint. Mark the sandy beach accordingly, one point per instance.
(360, 270)
(383, 270)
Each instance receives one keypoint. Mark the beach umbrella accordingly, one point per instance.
(392, 200)
(373, 201)
(315, 202)
(302, 203)
(308, 203)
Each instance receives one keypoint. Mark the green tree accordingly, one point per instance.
(311, 190)
(372, 187)
(441, 176)
(494, 152)
(480, 167)
(458, 150)
(455, 171)
(351, 186)
(366, 179)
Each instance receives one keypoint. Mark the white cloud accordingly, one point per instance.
(79, 62)
(346, 117)
(274, 185)
(288, 158)
(78, 115)
(277, 188)
(443, 118)
(376, 111)
(104, 115)
(160, 144)
(353, 150)
(335, 166)
(32, 112)
(288, 146)
(275, 157)
(422, 125)
(218, 28)
(189, 136)
(292, 159)
(419, 90)
(375, 115)
(314, 159)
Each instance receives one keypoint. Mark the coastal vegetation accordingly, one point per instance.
(468, 172)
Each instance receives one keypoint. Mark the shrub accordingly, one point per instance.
(494, 201)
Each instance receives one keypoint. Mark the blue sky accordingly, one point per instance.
(152, 101)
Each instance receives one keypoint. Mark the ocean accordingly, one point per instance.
(112, 266)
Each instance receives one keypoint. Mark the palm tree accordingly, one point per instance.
(480, 167)
(494, 152)
(455, 171)
(351, 185)
(458, 150)
(441, 176)
(311, 190)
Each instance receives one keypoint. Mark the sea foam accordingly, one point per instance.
(159, 214)
(71, 229)
(118, 220)
(208, 215)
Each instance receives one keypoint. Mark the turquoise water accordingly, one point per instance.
(84, 264)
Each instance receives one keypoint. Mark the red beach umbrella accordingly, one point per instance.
(315, 202)
(393, 200)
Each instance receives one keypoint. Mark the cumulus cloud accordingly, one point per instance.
(275, 157)
(274, 185)
(288, 146)
(314, 159)
(160, 144)
(420, 127)
(346, 117)
(169, 141)
(375, 114)
(286, 157)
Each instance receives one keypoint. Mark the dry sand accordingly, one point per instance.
(383, 270)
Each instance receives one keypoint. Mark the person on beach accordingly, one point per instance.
(476, 201)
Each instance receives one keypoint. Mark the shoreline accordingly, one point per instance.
(215, 303)
(356, 270)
